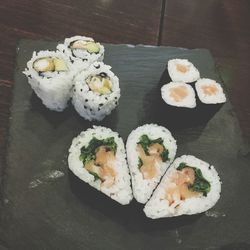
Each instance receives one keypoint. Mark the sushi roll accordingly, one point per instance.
(96, 92)
(82, 51)
(209, 91)
(182, 70)
(178, 94)
(150, 150)
(50, 76)
(190, 186)
(97, 156)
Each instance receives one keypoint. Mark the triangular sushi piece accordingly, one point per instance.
(150, 150)
(190, 186)
(97, 156)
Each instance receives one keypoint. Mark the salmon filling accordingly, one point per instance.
(210, 89)
(99, 160)
(151, 153)
(178, 93)
(187, 182)
(100, 84)
(181, 68)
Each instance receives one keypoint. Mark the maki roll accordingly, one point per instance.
(50, 76)
(209, 91)
(150, 150)
(190, 186)
(182, 70)
(82, 51)
(96, 92)
(178, 94)
(97, 156)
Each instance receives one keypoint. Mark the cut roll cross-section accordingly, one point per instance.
(182, 70)
(190, 186)
(209, 91)
(178, 94)
(50, 76)
(150, 150)
(82, 51)
(96, 92)
(97, 156)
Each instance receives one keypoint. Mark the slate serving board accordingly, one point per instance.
(47, 207)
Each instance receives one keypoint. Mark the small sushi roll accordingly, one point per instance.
(82, 51)
(97, 156)
(96, 92)
(50, 76)
(178, 94)
(150, 150)
(190, 186)
(181, 70)
(209, 91)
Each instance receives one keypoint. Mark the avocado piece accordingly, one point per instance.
(60, 64)
(107, 83)
(92, 47)
(104, 90)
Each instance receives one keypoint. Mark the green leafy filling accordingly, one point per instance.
(140, 163)
(96, 176)
(200, 184)
(89, 153)
(145, 142)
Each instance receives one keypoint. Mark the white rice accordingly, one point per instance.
(54, 88)
(143, 188)
(121, 189)
(158, 206)
(81, 59)
(191, 75)
(89, 104)
(188, 102)
(219, 97)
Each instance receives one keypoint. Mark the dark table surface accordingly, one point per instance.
(222, 26)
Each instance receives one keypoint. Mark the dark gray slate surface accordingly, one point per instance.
(46, 207)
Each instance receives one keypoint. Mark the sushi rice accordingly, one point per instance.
(159, 204)
(209, 91)
(182, 70)
(120, 190)
(82, 51)
(52, 86)
(178, 94)
(141, 184)
(94, 102)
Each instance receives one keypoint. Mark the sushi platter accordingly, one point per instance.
(133, 109)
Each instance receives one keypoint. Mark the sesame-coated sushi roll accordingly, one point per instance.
(178, 94)
(182, 70)
(150, 150)
(96, 92)
(50, 76)
(190, 186)
(97, 156)
(82, 51)
(209, 91)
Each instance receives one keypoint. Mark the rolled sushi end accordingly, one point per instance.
(178, 94)
(182, 70)
(50, 75)
(150, 150)
(82, 51)
(96, 92)
(97, 156)
(209, 91)
(190, 186)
